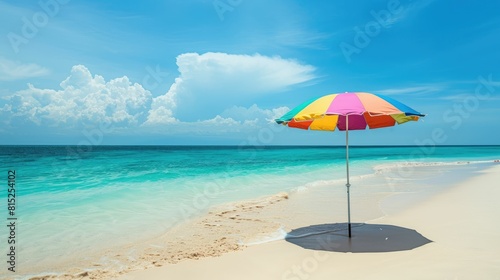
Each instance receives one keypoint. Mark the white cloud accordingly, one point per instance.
(212, 95)
(218, 120)
(14, 70)
(255, 113)
(211, 82)
(162, 107)
(415, 89)
(235, 119)
(469, 96)
(83, 98)
(410, 9)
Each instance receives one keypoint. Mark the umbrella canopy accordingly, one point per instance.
(349, 111)
(364, 110)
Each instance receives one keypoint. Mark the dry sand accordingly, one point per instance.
(461, 221)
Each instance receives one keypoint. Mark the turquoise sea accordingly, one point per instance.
(73, 198)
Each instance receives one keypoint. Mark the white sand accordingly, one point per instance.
(461, 221)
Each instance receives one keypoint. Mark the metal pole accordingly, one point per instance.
(348, 185)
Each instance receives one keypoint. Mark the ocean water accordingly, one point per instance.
(74, 199)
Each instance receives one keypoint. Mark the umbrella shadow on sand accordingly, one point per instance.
(366, 238)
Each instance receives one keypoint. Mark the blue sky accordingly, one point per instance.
(219, 71)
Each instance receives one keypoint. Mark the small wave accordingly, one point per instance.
(389, 166)
(323, 183)
(301, 189)
(318, 183)
(279, 234)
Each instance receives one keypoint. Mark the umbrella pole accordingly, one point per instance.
(348, 185)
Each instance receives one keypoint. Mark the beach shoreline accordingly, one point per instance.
(238, 227)
(457, 218)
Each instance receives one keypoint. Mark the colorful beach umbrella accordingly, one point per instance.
(349, 111)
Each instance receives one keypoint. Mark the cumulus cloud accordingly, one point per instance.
(15, 70)
(235, 119)
(213, 94)
(211, 82)
(254, 113)
(83, 98)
